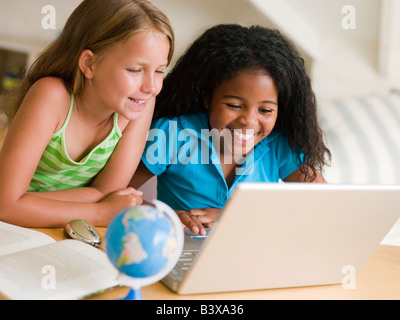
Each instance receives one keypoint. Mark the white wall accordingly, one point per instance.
(326, 16)
(389, 41)
(22, 19)
(191, 17)
(350, 58)
(21, 24)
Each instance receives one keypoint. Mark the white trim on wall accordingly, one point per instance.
(389, 43)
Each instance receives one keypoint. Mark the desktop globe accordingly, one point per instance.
(144, 243)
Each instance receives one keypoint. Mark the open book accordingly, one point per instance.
(35, 266)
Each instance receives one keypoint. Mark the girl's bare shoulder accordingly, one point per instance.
(49, 98)
(51, 89)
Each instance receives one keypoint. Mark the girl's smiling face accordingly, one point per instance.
(131, 74)
(247, 106)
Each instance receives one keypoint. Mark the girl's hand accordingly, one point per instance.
(196, 220)
(118, 201)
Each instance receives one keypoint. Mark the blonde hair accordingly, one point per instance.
(96, 25)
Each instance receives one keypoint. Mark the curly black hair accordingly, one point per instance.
(223, 51)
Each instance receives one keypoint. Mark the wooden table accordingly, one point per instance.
(378, 279)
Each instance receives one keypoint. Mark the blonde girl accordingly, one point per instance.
(78, 123)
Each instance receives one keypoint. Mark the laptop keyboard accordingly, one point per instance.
(192, 246)
(183, 265)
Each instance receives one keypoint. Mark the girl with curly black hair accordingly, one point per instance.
(249, 84)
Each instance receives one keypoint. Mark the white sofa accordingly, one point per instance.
(363, 134)
(364, 137)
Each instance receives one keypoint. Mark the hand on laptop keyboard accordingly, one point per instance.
(196, 220)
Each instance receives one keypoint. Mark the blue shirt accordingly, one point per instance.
(180, 152)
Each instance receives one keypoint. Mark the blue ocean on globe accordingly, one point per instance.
(140, 241)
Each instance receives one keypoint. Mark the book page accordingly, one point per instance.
(66, 269)
(13, 238)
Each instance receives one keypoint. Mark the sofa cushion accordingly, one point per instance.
(363, 135)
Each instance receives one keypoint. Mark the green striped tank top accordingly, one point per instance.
(57, 171)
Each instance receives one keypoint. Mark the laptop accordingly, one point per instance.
(286, 235)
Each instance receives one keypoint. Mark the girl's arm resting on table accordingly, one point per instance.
(85, 194)
(43, 111)
(32, 211)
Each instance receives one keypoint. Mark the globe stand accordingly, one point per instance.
(137, 283)
(134, 294)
